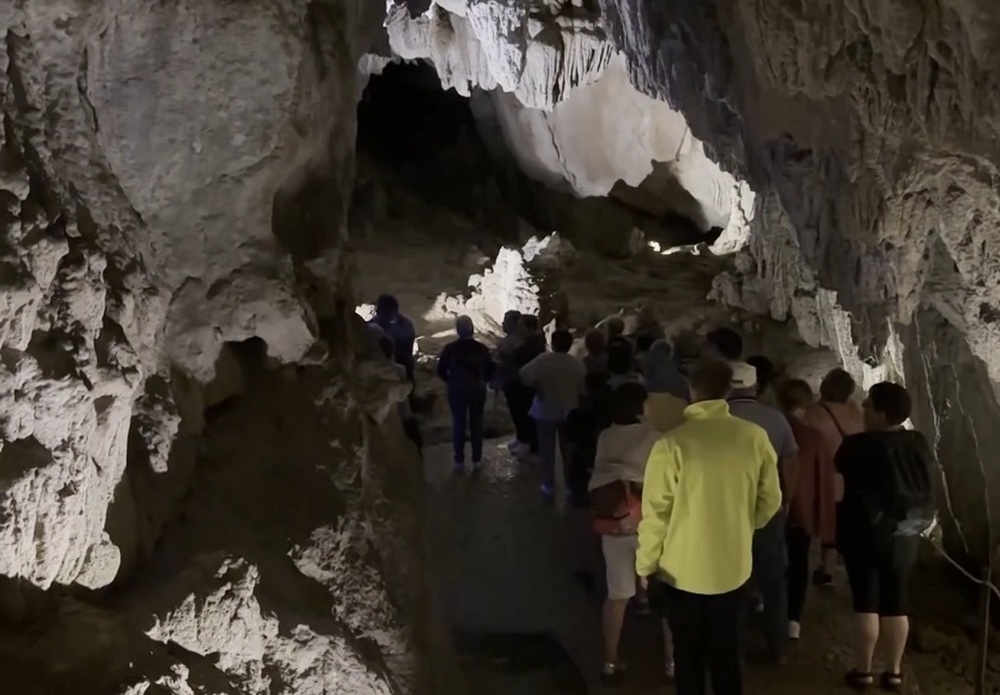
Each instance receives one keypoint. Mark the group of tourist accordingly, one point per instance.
(706, 498)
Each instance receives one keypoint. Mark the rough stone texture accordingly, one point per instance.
(870, 134)
(172, 206)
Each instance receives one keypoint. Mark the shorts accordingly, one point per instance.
(880, 581)
(619, 559)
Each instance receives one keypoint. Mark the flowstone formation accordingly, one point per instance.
(200, 489)
(868, 136)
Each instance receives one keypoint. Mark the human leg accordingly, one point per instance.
(459, 415)
(685, 615)
(798, 541)
(894, 579)
(477, 408)
(862, 575)
(769, 563)
(619, 559)
(723, 643)
(547, 434)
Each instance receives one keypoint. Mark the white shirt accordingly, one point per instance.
(557, 378)
(622, 454)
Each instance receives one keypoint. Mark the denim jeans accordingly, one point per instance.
(467, 407)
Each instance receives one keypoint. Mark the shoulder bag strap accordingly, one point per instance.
(834, 418)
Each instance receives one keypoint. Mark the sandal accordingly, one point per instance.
(858, 680)
(891, 682)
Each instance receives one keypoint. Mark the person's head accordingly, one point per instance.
(744, 382)
(464, 327)
(615, 326)
(837, 386)
(765, 372)
(795, 397)
(386, 307)
(511, 319)
(727, 343)
(644, 341)
(562, 340)
(529, 324)
(620, 357)
(627, 403)
(887, 407)
(594, 341)
(386, 346)
(711, 379)
(661, 349)
(647, 315)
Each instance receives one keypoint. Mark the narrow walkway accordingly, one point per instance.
(525, 626)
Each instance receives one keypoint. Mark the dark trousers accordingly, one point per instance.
(706, 633)
(770, 562)
(798, 541)
(467, 409)
(519, 398)
(551, 445)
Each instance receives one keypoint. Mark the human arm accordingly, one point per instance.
(768, 485)
(444, 362)
(489, 366)
(659, 489)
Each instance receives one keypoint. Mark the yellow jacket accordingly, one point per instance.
(709, 484)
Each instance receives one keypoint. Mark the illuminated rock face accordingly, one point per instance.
(174, 182)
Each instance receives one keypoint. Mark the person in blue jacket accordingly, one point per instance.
(399, 329)
(467, 367)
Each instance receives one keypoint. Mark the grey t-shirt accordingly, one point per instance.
(771, 419)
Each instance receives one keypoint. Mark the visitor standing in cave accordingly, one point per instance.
(770, 554)
(811, 512)
(668, 388)
(708, 484)
(643, 343)
(531, 345)
(836, 415)
(725, 343)
(767, 375)
(399, 328)
(558, 379)
(505, 377)
(467, 367)
(648, 328)
(583, 426)
(411, 428)
(596, 358)
(888, 502)
(621, 364)
(615, 327)
(615, 492)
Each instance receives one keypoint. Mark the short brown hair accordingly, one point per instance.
(892, 400)
(711, 378)
(795, 393)
(837, 386)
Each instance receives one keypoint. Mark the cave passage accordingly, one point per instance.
(423, 136)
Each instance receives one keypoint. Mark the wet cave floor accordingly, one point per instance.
(524, 625)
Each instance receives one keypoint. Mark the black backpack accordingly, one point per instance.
(909, 509)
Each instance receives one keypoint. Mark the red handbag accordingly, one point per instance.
(616, 508)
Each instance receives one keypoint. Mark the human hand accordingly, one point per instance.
(644, 583)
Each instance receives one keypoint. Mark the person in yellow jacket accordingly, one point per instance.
(708, 485)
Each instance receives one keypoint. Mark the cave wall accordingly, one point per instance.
(174, 187)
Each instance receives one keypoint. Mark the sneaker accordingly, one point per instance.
(822, 578)
(794, 629)
(477, 466)
(612, 674)
(459, 467)
(513, 444)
